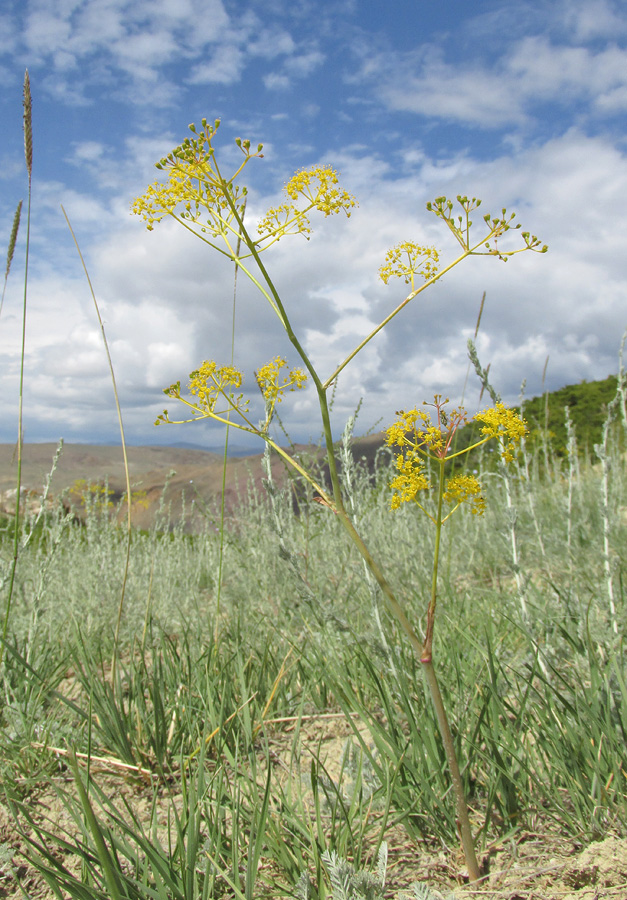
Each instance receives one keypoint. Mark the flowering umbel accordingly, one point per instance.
(408, 259)
(270, 385)
(196, 192)
(317, 187)
(209, 204)
(421, 436)
(504, 425)
(210, 384)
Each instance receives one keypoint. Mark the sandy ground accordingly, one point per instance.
(530, 865)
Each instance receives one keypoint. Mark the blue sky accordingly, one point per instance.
(519, 103)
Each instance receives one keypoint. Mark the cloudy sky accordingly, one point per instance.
(517, 102)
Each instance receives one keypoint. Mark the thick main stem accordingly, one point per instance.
(427, 648)
(458, 787)
(426, 658)
(434, 689)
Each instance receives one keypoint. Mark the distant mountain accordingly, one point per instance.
(234, 449)
(187, 481)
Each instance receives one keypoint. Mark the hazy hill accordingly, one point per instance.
(587, 403)
(183, 474)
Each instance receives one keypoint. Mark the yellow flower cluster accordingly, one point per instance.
(208, 382)
(195, 192)
(416, 430)
(188, 195)
(268, 380)
(421, 437)
(407, 422)
(195, 187)
(408, 259)
(317, 186)
(410, 480)
(505, 425)
(282, 220)
(463, 488)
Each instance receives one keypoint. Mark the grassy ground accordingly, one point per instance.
(236, 745)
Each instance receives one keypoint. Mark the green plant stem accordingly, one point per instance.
(226, 444)
(423, 650)
(427, 648)
(282, 313)
(394, 313)
(20, 427)
(434, 689)
(449, 748)
(124, 455)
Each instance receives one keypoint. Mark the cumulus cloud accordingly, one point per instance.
(592, 19)
(167, 301)
(140, 40)
(499, 84)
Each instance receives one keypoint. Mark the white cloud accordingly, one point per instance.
(144, 52)
(593, 19)
(87, 151)
(119, 36)
(612, 101)
(271, 42)
(501, 87)
(46, 32)
(276, 82)
(545, 71)
(304, 63)
(224, 67)
(299, 63)
(426, 84)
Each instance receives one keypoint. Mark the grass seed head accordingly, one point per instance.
(28, 125)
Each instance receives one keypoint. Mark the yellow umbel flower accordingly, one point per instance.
(405, 425)
(317, 187)
(195, 191)
(208, 384)
(408, 259)
(418, 436)
(410, 480)
(415, 429)
(282, 220)
(268, 380)
(465, 488)
(505, 425)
